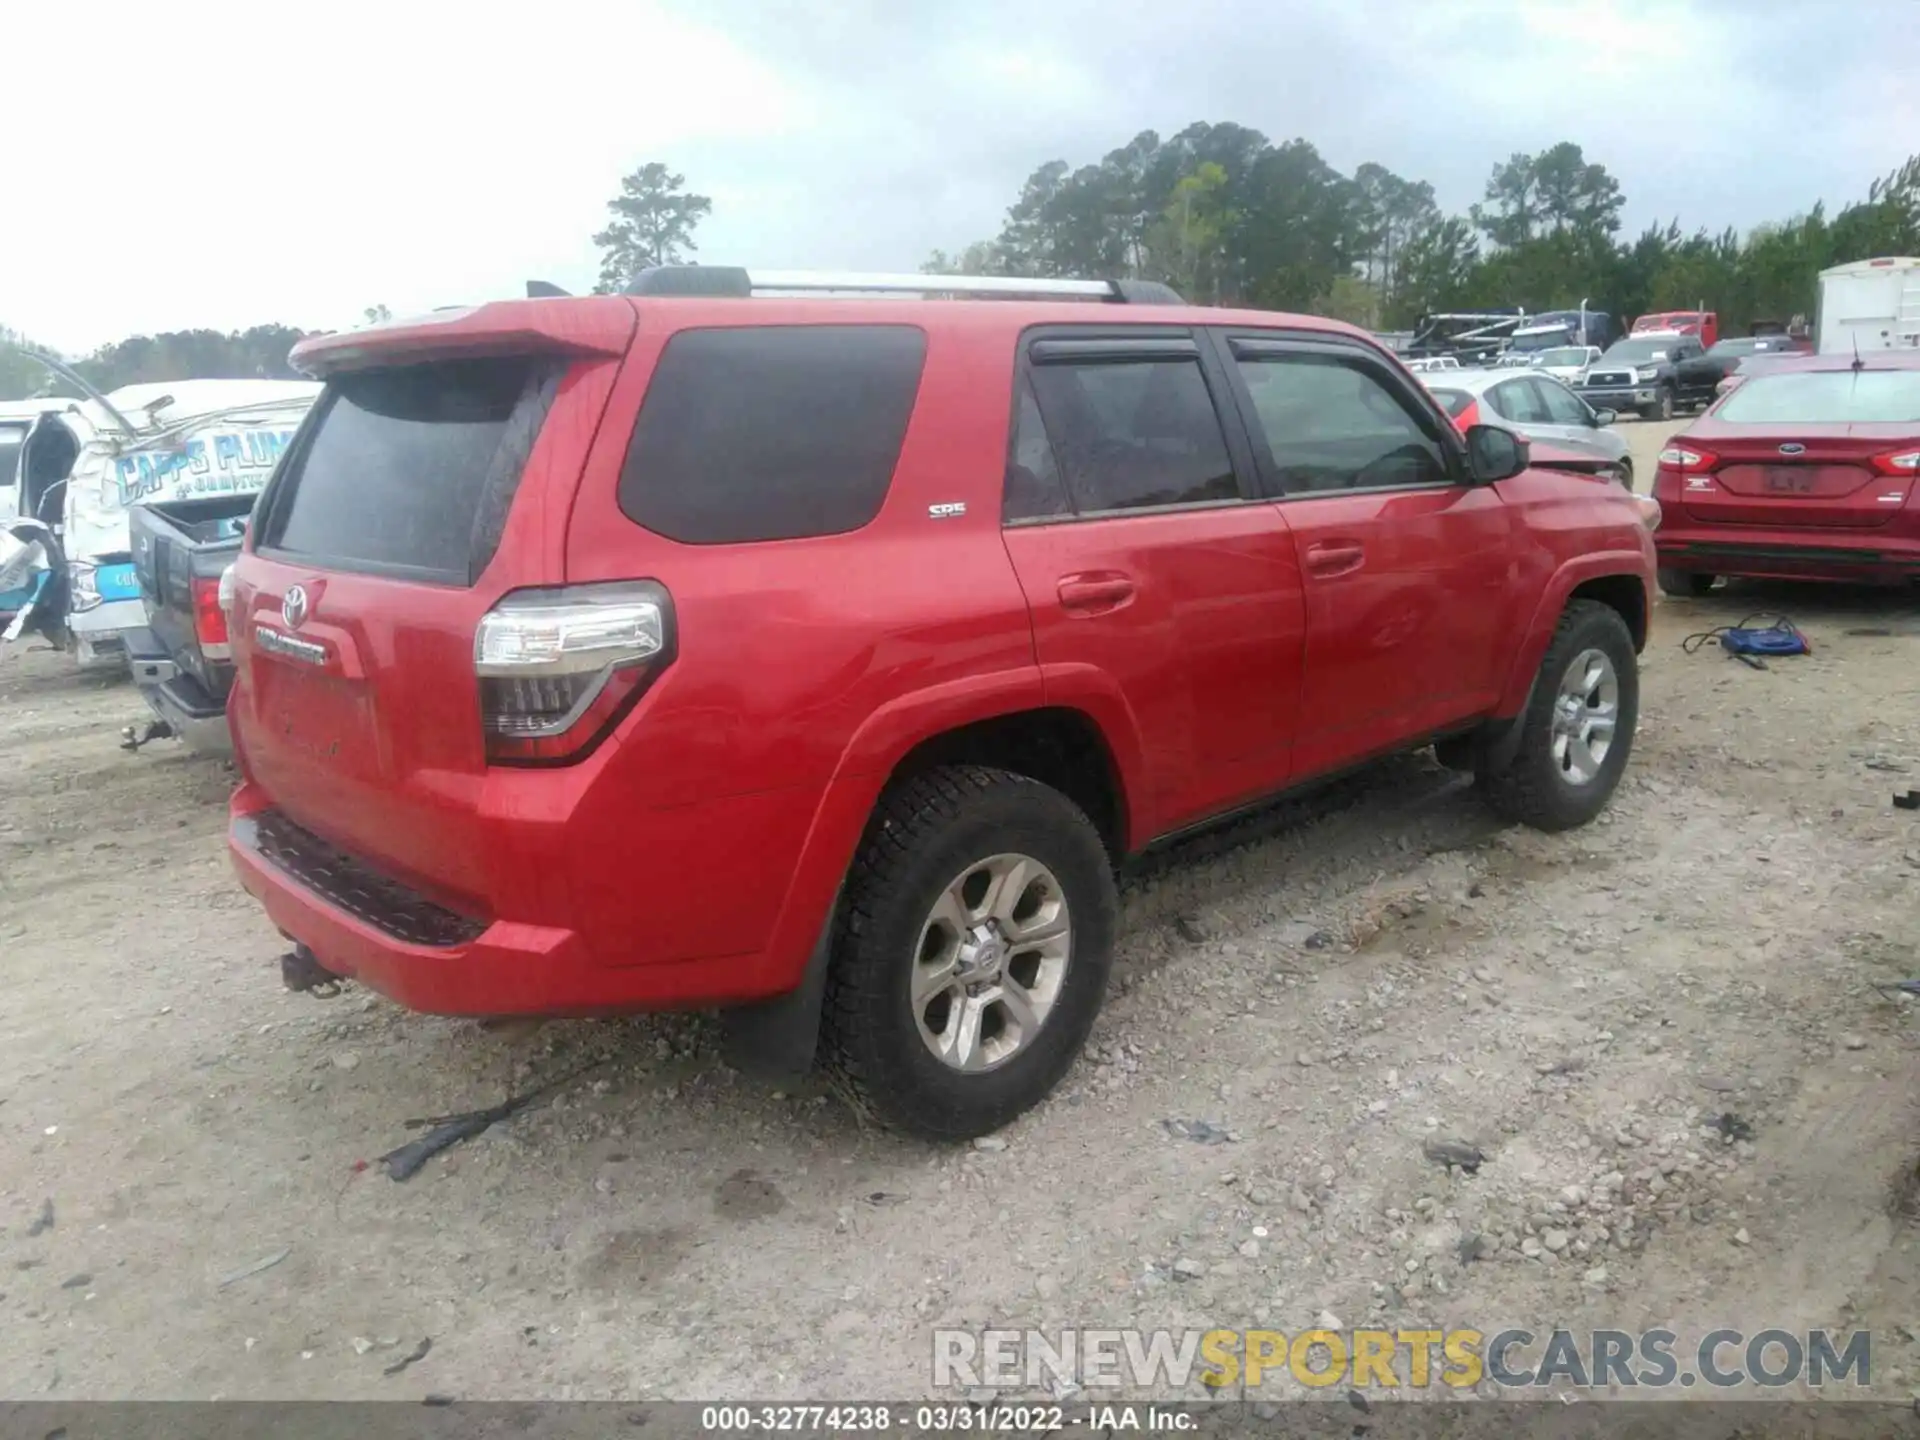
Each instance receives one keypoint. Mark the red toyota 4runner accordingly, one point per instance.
(818, 658)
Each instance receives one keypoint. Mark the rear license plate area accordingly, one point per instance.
(321, 720)
(1790, 479)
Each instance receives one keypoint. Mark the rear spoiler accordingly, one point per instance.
(590, 326)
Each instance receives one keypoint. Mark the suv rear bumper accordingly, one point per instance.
(392, 939)
(1870, 556)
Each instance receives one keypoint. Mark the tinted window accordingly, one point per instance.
(411, 467)
(1826, 397)
(1330, 425)
(1135, 433)
(1034, 488)
(1454, 402)
(1563, 407)
(771, 432)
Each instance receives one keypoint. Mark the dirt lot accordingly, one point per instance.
(1338, 984)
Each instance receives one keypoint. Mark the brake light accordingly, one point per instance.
(1687, 461)
(209, 616)
(1468, 417)
(1900, 463)
(559, 668)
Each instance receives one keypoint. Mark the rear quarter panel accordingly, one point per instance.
(805, 668)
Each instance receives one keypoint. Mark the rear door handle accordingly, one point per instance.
(1094, 591)
(1335, 557)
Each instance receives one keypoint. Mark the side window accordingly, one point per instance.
(1132, 434)
(1519, 401)
(1330, 424)
(1562, 405)
(771, 432)
(1034, 489)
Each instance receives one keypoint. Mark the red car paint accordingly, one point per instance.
(1704, 323)
(1840, 507)
(1221, 654)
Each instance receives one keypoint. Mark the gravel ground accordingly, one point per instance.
(1327, 988)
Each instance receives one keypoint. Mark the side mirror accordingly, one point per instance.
(1605, 417)
(1495, 453)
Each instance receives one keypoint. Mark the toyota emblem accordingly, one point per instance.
(1793, 447)
(293, 609)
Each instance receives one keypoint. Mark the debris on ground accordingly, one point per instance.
(42, 1222)
(1908, 801)
(449, 1130)
(419, 1352)
(1732, 1127)
(1201, 1132)
(77, 1282)
(1451, 1153)
(1190, 929)
(266, 1262)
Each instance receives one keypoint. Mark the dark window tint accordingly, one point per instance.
(411, 468)
(1034, 488)
(1332, 425)
(1454, 402)
(771, 432)
(1130, 434)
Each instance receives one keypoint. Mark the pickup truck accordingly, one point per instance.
(181, 552)
(1653, 374)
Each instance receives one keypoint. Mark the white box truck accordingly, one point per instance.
(1868, 305)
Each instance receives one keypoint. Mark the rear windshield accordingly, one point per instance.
(771, 432)
(1455, 402)
(411, 469)
(1826, 397)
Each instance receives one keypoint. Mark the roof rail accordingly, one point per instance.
(735, 282)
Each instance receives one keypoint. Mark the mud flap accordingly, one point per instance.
(1499, 740)
(776, 1039)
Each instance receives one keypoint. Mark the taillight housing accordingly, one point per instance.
(1902, 463)
(559, 668)
(210, 614)
(1687, 460)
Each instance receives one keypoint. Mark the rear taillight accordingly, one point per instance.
(1686, 460)
(209, 615)
(1904, 463)
(559, 668)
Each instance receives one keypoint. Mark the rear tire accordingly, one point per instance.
(958, 868)
(1685, 584)
(1587, 690)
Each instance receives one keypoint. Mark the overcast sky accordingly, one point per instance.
(199, 163)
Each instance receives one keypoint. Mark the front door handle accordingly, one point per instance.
(1094, 592)
(1335, 557)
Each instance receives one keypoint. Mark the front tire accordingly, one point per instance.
(1684, 584)
(1577, 731)
(1662, 409)
(973, 950)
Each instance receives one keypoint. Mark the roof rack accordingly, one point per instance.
(735, 282)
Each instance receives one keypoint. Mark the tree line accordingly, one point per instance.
(1228, 217)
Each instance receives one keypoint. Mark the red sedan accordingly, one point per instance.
(1806, 471)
